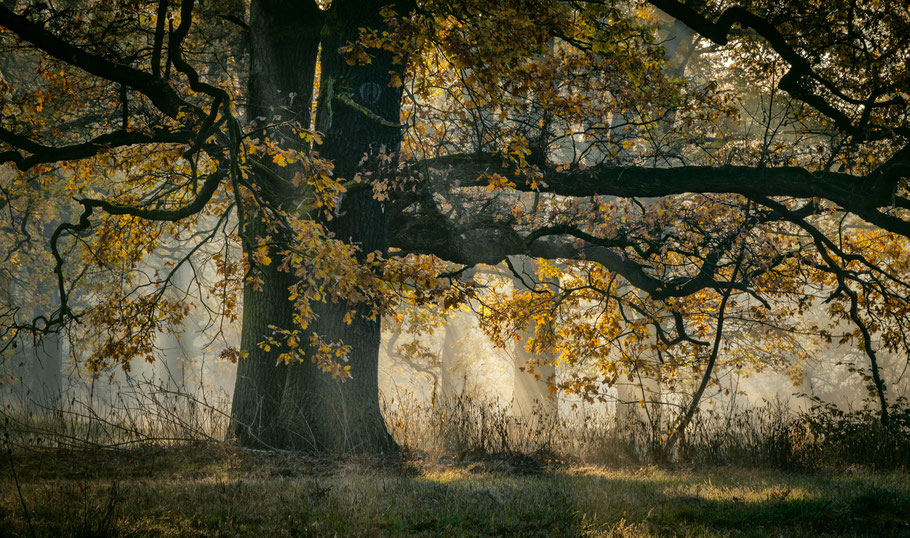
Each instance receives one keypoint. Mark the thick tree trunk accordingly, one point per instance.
(284, 42)
(358, 113)
(299, 406)
(323, 414)
(260, 378)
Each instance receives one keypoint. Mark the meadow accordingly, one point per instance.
(217, 490)
(762, 473)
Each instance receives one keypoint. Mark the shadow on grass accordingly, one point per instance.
(872, 511)
(229, 491)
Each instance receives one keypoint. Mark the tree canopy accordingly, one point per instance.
(704, 186)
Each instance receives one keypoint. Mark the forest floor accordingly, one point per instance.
(209, 490)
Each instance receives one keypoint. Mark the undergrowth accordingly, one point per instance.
(769, 435)
(155, 463)
(139, 414)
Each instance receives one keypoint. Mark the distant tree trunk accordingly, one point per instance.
(451, 373)
(635, 399)
(45, 365)
(639, 399)
(178, 347)
(680, 46)
(531, 398)
(42, 374)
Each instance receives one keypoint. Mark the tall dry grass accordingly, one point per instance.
(131, 412)
(143, 412)
(772, 434)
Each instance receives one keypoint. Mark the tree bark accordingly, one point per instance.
(260, 377)
(358, 112)
(284, 42)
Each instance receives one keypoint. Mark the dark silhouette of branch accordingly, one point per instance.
(159, 92)
(719, 31)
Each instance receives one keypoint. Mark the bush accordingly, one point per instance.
(833, 437)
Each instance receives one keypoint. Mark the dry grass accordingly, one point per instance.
(150, 465)
(213, 489)
(771, 435)
(135, 412)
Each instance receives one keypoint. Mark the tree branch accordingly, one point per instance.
(861, 195)
(800, 68)
(41, 154)
(155, 88)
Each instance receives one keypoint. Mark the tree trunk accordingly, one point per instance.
(260, 378)
(178, 348)
(284, 42)
(42, 376)
(531, 391)
(323, 414)
(451, 364)
(358, 113)
(45, 365)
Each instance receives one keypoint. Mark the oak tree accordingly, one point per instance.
(691, 177)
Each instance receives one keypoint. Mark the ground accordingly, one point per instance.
(206, 490)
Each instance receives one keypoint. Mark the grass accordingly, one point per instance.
(215, 489)
(152, 469)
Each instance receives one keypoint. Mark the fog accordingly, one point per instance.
(458, 363)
